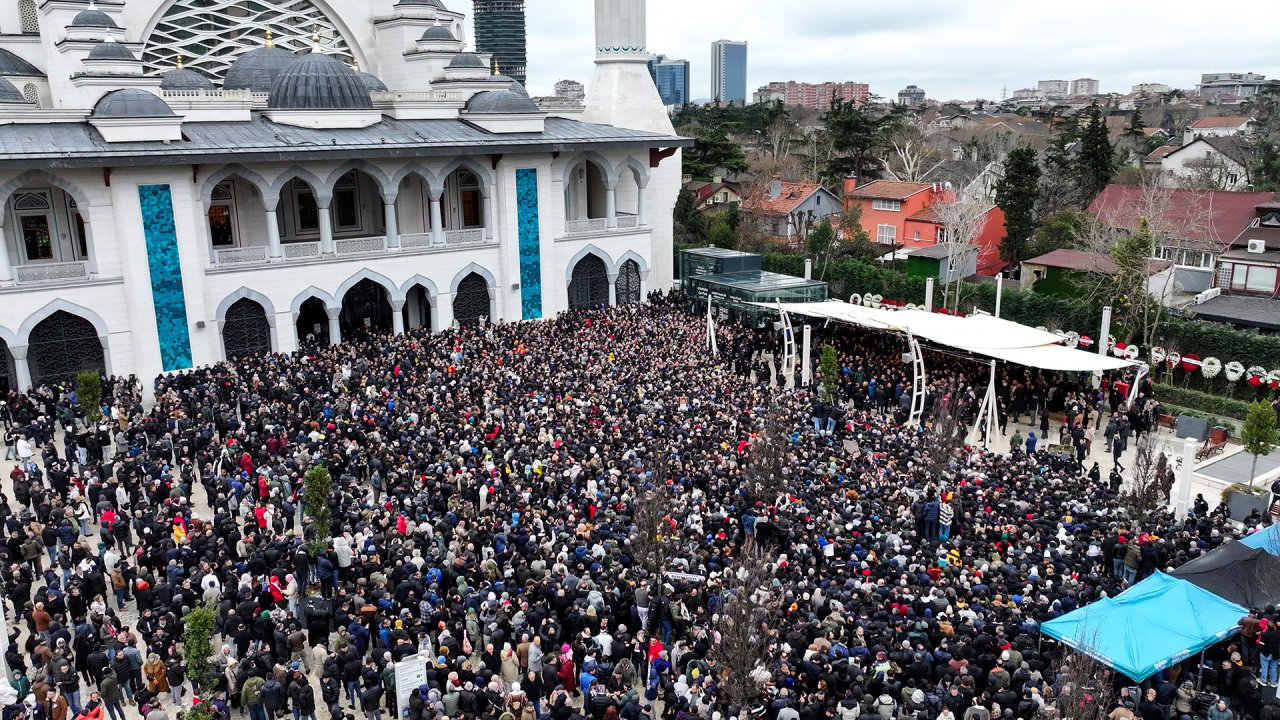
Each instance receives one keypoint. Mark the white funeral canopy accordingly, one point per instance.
(977, 334)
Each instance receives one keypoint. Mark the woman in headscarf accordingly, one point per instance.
(156, 673)
(510, 664)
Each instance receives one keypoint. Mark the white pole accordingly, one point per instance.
(928, 295)
(711, 327)
(808, 268)
(1106, 331)
(999, 292)
(806, 373)
(1185, 475)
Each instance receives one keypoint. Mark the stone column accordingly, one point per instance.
(613, 290)
(393, 226)
(326, 230)
(91, 258)
(6, 270)
(19, 353)
(397, 316)
(611, 206)
(335, 327)
(437, 222)
(488, 215)
(642, 204)
(274, 250)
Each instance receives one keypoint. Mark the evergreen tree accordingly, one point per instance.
(1095, 163)
(1136, 123)
(1057, 178)
(690, 226)
(857, 134)
(1016, 194)
(713, 150)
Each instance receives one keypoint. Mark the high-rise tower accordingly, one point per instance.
(729, 72)
(622, 94)
(500, 30)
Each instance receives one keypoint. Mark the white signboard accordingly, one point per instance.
(411, 672)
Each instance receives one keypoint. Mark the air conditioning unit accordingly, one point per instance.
(1257, 246)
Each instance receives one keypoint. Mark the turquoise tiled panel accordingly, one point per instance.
(530, 244)
(166, 276)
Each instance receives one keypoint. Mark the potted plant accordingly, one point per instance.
(1242, 499)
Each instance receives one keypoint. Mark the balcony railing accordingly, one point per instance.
(463, 237)
(44, 272)
(293, 251)
(237, 256)
(627, 222)
(594, 225)
(411, 241)
(355, 246)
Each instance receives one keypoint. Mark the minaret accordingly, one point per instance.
(622, 94)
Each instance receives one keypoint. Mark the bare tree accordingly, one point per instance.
(1211, 172)
(1148, 489)
(963, 223)
(778, 136)
(1086, 685)
(767, 461)
(651, 534)
(911, 155)
(741, 626)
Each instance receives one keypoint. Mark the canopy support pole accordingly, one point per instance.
(917, 382)
(1143, 369)
(1200, 670)
(711, 327)
(788, 347)
(987, 410)
(806, 369)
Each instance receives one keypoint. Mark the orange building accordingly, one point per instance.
(902, 214)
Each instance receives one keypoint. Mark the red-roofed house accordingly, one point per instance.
(714, 196)
(1211, 219)
(903, 214)
(1220, 126)
(791, 210)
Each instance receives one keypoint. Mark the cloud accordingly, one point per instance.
(952, 49)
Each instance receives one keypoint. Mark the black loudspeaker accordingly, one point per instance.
(1194, 428)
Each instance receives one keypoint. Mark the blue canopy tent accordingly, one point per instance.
(1266, 539)
(1157, 623)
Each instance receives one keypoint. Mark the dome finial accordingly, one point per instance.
(495, 67)
(315, 41)
(179, 61)
(92, 5)
(108, 38)
(270, 40)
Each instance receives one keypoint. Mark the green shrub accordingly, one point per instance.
(197, 647)
(317, 486)
(1202, 401)
(89, 393)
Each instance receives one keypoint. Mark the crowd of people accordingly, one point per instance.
(565, 519)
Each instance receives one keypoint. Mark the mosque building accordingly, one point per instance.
(186, 181)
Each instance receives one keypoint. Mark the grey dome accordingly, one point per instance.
(501, 102)
(439, 32)
(424, 3)
(512, 85)
(257, 69)
(371, 82)
(319, 82)
(93, 19)
(183, 79)
(132, 103)
(11, 64)
(111, 50)
(10, 94)
(467, 60)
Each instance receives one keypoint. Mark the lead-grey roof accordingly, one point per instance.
(184, 79)
(467, 60)
(132, 103)
(319, 82)
(10, 94)
(94, 19)
(501, 102)
(68, 145)
(257, 69)
(11, 64)
(439, 32)
(111, 50)
(427, 3)
(372, 82)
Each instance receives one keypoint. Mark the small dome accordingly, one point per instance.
(439, 33)
(10, 94)
(257, 69)
(501, 102)
(467, 60)
(424, 3)
(319, 82)
(11, 64)
(93, 19)
(512, 85)
(183, 79)
(132, 103)
(111, 50)
(371, 82)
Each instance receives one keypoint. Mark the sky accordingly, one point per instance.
(954, 49)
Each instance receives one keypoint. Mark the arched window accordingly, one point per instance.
(27, 14)
(589, 286)
(62, 345)
(211, 35)
(627, 289)
(472, 300)
(246, 332)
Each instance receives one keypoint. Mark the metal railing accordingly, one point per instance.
(44, 272)
(293, 251)
(353, 246)
(239, 256)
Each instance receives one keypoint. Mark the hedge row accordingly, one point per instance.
(1204, 402)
